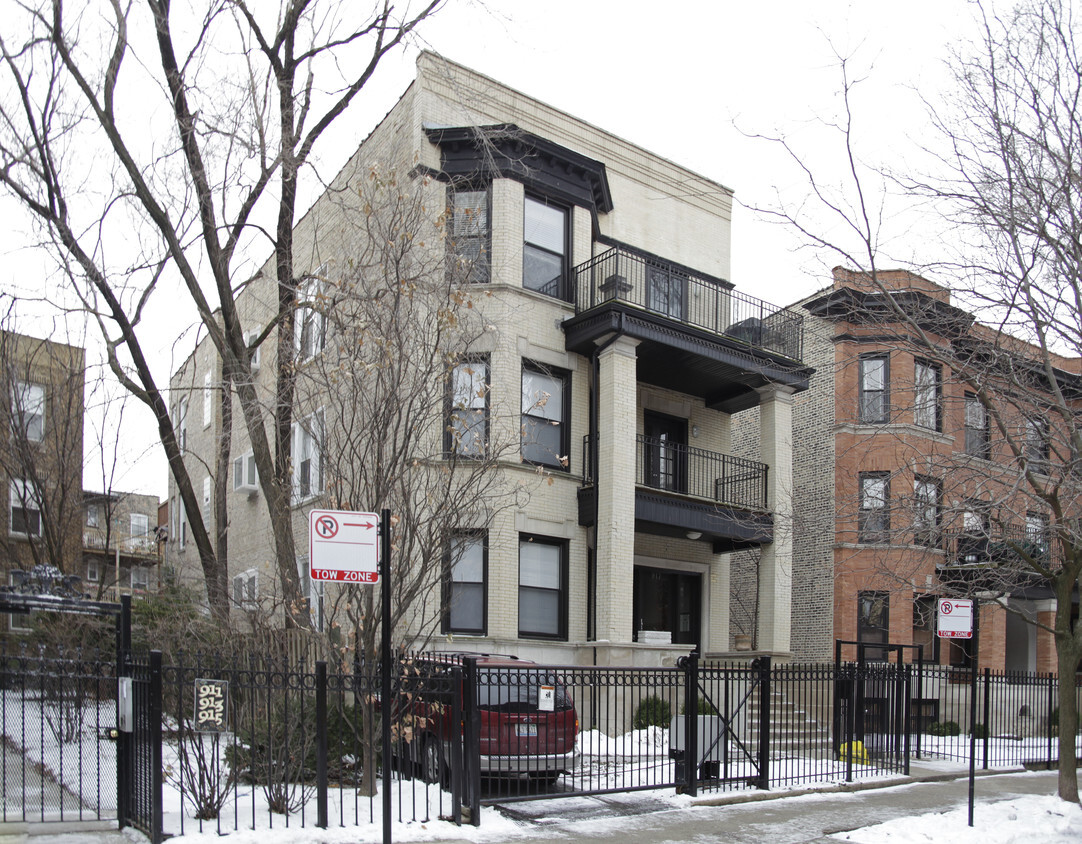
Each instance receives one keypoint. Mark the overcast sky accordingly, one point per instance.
(688, 80)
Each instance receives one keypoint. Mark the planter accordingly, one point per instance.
(742, 642)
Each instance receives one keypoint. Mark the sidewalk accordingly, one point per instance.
(783, 817)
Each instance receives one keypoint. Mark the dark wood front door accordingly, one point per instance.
(666, 452)
(668, 600)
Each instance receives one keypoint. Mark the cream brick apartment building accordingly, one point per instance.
(612, 352)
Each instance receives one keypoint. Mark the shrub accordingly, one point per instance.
(652, 712)
(703, 707)
(944, 728)
(980, 731)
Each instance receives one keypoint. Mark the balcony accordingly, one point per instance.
(682, 491)
(994, 559)
(134, 546)
(695, 333)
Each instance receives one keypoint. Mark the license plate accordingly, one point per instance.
(526, 730)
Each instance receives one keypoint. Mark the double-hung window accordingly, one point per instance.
(874, 518)
(182, 425)
(140, 530)
(470, 234)
(312, 591)
(465, 582)
(28, 411)
(542, 588)
(309, 323)
(208, 399)
(544, 416)
(1037, 442)
(308, 457)
(976, 532)
(927, 394)
(246, 589)
(1038, 535)
(544, 251)
(25, 509)
(873, 623)
(467, 425)
(874, 384)
(976, 427)
(926, 511)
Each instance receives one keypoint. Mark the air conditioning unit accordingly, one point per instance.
(245, 477)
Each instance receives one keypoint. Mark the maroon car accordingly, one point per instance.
(528, 722)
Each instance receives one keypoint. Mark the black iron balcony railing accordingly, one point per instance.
(674, 292)
(1001, 546)
(694, 472)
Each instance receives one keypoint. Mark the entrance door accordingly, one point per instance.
(668, 601)
(666, 452)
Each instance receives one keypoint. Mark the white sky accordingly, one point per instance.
(677, 79)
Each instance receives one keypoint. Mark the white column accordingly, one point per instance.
(615, 530)
(776, 563)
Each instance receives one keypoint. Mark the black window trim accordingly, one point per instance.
(562, 622)
(564, 288)
(564, 375)
(882, 535)
(465, 186)
(448, 588)
(449, 450)
(937, 372)
(885, 415)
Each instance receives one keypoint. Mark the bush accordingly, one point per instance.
(1054, 722)
(944, 728)
(980, 731)
(652, 712)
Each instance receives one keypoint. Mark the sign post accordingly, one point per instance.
(385, 649)
(956, 620)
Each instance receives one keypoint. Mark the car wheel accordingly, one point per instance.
(432, 760)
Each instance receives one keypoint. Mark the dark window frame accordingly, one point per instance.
(452, 444)
(562, 591)
(562, 460)
(562, 287)
(461, 245)
(978, 440)
(924, 533)
(1038, 441)
(449, 563)
(937, 399)
(869, 602)
(865, 407)
(869, 532)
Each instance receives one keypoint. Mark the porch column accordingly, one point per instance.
(615, 532)
(776, 563)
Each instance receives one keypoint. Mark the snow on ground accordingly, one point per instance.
(1048, 820)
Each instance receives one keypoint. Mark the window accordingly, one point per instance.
(874, 518)
(93, 571)
(25, 509)
(544, 417)
(926, 512)
(28, 411)
(666, 290)
(208, 400)
(470, 233)
(20, 621)
(92, 515)
(465, 595)
(140, 579)
(182, 525)
(926, 395)
(925, 608)
(873, 623)
(542, 588)
(246, 590)
(973, 544)
(874, 379)
(245, 476)
(309, 327)
(977, 436)
(206, 497)
(467, 428)
(253, 354)
(308, 457)
(1037, 444)
(1038, 535)
(182, 425)
(313, 591)
(140, 529)
(544, 253)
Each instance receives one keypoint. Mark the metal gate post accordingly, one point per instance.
(154, 736)
(124, 747)
(321, 744)
(471, 737)
(907, 715)
(457, 729)
(764, 722)
(987, 713)
(691, 724)
(855, 676)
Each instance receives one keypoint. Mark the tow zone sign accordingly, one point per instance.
(343, 546)
(955, 618)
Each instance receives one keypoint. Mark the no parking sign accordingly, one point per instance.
(955, 618)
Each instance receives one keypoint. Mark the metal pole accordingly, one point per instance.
(385, 657)
(973, 704)
(321, 744)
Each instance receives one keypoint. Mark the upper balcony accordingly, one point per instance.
(696, 335)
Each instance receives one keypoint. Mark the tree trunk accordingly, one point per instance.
(1067, 656)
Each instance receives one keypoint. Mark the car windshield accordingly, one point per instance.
(516, 690)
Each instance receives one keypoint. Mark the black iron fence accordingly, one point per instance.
(225, 743)
(694, 299)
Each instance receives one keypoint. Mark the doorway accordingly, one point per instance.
(668, 601)
(666, 453)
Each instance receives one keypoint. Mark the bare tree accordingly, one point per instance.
(1008, 191)
(188, 128)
